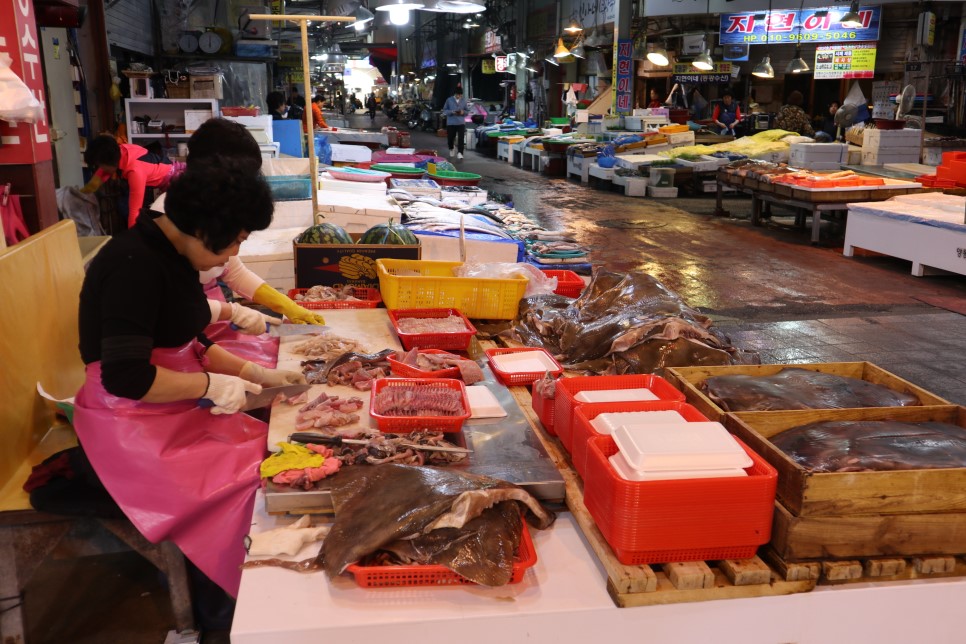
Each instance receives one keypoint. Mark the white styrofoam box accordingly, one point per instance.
(705, 164)
(817, 152)
(662, 193)
(447, 249)
(351, 153)
(326, 182)
(872, 157)
(619, 180)
(269, 150)
(503, 149)
(605, 174)
(259, 126)
(680, 446)
(818, 166)
(778, 156)
(854, 155)
(635, 187)
(268, 253)
(874, 137)
(616, 395)
(426, 187)
(474, 197)
(624, 470)
(378, 207)
(634, 123)
(607, 422)
(681, 138)
(292, 214)
(634, 161)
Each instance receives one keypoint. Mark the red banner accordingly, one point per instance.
(26, 143)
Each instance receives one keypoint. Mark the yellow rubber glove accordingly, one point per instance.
(268, 296)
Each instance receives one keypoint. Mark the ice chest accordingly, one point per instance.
(679, 520)
(339, 264)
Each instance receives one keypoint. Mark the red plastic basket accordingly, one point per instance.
(369, 298)
(409, 371)
(240, 111)
(568, 282)
(583, 431)
(544, 408)
(679, 520)
(430, 575)
(413, 423)
(457, 341)
(570, 387)
(522, 378)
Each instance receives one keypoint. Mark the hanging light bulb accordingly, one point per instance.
(704, 62)
(574, 27)
(578, 50)
(549, 59)
(852, 19)
(399, 11)
(798, 64)
(658, 55)
(562, 51)
(362, 16)
(764, 68)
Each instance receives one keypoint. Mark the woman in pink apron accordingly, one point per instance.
(179, 471)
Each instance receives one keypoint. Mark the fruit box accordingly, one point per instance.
(339, 264)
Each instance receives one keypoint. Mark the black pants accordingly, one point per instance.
(457, 132)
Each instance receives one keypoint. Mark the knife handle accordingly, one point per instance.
(206, 403)
(235, 327)
(315, 439)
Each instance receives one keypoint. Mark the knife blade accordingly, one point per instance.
(264, 399)
(318, 439)
(286, 329)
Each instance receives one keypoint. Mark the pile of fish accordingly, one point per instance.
(357, 370)
(326, 346)
(800, 389)
(410, 399)
(380, 449)
(448, 324)
(623, 324)
(468, 523)
(328, 412)
(328, 294)
(469, 372)
(865, 446)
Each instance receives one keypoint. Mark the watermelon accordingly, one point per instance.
(389, 233)
(324, 234)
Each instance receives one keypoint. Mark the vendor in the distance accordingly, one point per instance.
(727, 114)
(318, 121)
(655, 99)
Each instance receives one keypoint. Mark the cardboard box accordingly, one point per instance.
(209, 86)
(351, 153)
(340, 264)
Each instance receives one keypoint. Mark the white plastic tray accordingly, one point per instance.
(628, 473)
(615, 395)
(680, 446)
(524, 362)
(483, 404)
(606, 423)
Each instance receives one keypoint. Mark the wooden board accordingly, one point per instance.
(689, 379)
(833, 572)
(806, 493)
(869, 535)
(645, 585)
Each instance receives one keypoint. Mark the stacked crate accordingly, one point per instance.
(890, 146)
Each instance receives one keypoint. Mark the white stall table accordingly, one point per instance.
(926, 229)
(578, 165)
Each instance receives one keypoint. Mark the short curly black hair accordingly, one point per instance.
(221, 137)
(102, 150)
(217, 200)
(275, 100)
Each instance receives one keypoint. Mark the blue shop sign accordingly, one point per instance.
(792, 26)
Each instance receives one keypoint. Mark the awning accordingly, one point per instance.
(382, 59)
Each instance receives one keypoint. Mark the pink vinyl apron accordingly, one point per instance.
(177, 471)
(261, 349)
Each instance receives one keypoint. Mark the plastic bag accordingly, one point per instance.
(539, 283)
(323, 150)
(17, 102)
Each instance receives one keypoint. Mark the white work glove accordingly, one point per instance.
(270, 377)
(228, 392)
(251, 321)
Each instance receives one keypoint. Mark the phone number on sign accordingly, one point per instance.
(815, 37)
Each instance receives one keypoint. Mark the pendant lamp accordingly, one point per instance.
(658, 55)
(578, 50)
(852, 19)
(764, 68)
(704, 61)
(798, 65)
(574, 27)
(562, 51)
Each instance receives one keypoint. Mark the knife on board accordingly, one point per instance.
(264, 399)
(318, 439)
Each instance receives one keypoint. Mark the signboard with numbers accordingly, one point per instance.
(23, 143)
(845, 61)
(792, 26)
(623, 76)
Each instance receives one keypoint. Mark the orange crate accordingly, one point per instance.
(679, 520)
(544, 408)
(429, 575)
(522, 378)
(567, 388)
(450, 424)
(569, 283)
(369, 298)
(409, 371)
(455, 341)
(583, 431)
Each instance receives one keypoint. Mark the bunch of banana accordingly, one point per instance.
(357, 266)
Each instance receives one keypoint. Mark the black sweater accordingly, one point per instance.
(138, 294)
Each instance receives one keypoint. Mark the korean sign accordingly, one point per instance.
(623, 81)
(782, 26)
(845, 61)
(686, 73)
(23, 142)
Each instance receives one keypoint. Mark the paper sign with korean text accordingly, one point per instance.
(845, 61)
(793, 26)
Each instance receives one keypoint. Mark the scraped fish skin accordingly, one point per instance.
(375, 506)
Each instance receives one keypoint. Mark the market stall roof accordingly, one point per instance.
(382, 59)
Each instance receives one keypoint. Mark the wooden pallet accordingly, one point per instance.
(670, 583)
(862, 570)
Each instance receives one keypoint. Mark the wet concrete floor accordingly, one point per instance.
(767, 287)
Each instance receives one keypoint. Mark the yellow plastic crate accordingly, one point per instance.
(421, 284)
(672, 129)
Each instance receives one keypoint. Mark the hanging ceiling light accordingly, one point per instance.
(764, 68)
(798, 64)
(574, 27)
(549, 59)
(852, 19)
(399, 11)
(704, 62)
(657, 54)
(562, 51)
(578, 50)
(459, 6)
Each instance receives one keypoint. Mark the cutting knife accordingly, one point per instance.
(264, 399)
(318, 439)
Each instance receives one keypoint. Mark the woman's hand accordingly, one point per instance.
(270, 377)
(251, 321)
(228, 393)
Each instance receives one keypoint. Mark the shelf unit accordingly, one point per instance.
(169, 110)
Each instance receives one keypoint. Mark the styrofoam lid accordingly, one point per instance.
(524, 362)
(616, 395)
(606, 423)
(680, 446)
(483, 404)
(628, 473)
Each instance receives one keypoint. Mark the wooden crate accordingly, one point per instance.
(688, 379)
(851, 494)
(782, 189)
(833, 572)
(796, 538)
